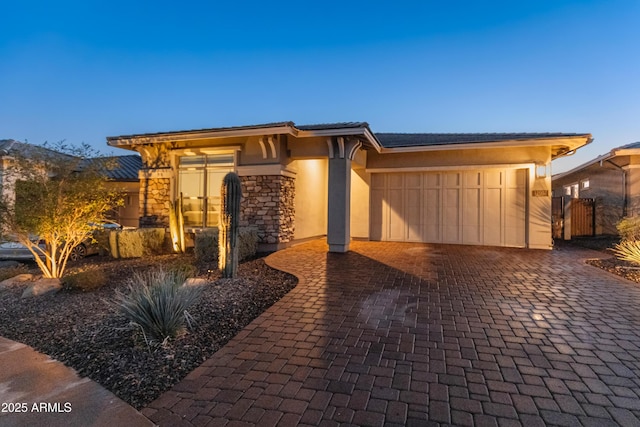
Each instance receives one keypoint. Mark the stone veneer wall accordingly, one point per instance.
(156, 194)
(268, 205)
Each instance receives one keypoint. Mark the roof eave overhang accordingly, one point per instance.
(625, 152)
(561, 146)
(131, 141)
(362, 132)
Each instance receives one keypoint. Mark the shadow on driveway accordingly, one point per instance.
(406, 334)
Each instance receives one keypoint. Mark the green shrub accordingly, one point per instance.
(628, 250)
(136, 243)
(184, 268)
(9, 272)
(86, 280)
(247, 243)
(629, 228)
(206, 244)
(157, 302)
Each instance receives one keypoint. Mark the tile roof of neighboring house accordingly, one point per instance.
(6, 145)
(390, 140)
(118, 168)
(126, 168)
(13, 147)
(609, 156)
(628, 146)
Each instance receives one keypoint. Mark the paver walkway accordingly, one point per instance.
(415, 334)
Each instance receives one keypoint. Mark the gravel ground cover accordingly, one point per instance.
(85, 331)
(608, 261)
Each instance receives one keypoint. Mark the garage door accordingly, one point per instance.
(476, 207)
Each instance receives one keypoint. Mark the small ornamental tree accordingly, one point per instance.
(59, 195)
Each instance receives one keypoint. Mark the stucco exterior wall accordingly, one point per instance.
(633, 190)
(539, 212)
(453, 158)
(128, 214)
(606, 186)
(360, 203)
(310, 198)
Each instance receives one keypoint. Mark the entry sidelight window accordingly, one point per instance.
(199, 181)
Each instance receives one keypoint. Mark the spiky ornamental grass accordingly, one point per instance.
(628, 250)
(157, 302)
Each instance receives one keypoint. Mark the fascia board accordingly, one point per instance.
(198, 135)
(360, 131)
(571, 143)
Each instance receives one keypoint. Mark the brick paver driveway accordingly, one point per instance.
(413, 334)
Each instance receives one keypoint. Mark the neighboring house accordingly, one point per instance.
(343, 181)
(122, 175)
(612, 179)
(9, 149)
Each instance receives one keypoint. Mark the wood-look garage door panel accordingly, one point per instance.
(451, 215)
(514, 217)
(413, 215)
(493, 216)
(471, 212)
(484, 207)
(397, 221)
(432, 213)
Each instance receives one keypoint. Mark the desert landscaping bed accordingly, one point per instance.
(608, 260)
(84, 330)
(618, 267)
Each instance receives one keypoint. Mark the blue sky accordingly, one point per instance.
(82, 71)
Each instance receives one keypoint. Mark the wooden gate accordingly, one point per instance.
(582, 221)
(583, 217)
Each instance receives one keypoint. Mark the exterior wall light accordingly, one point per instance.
(541, 171)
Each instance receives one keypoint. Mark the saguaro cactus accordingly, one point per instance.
(231, 194)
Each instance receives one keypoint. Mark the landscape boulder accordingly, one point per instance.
(16, 280)
(42, 287)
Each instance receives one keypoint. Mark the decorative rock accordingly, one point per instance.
(195, 281)
(20, 278)
(42, 287)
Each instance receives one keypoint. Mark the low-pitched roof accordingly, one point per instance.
(121, 168)
(125, 168)
(382, 142)
(623, 150)
(390, 140)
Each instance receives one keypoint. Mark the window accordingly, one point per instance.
(584, 184)
(199, 181)
(571, 190)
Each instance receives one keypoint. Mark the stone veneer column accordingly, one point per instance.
(155, 195)
(268, 205)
